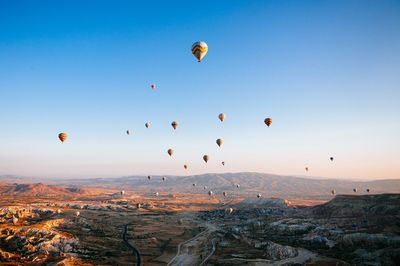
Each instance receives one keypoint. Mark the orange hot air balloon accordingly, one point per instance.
(206, 158)
(268, 121)
(199, 50)
(63, 136)
(170, 152)
(221, 117)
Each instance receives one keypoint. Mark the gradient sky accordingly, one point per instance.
(327, 72)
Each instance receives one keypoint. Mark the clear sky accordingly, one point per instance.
(327, 72)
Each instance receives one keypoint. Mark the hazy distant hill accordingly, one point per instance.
(250, 183)
(39, 189)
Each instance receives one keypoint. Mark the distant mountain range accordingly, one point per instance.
(269, 185)
(39, 189)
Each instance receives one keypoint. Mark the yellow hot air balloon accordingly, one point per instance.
(206, 158)
(199, 50)
(220, 142)
(63, 136)
(221, 117)
(268, 121)
(175, 124)
(170, 152)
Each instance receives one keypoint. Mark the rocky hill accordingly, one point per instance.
(39, 189)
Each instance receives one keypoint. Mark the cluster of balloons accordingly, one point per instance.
(199, 50)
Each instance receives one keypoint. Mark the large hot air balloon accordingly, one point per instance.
(206, 158)
(147, 125)
(199, 50)
(221, 117)
(170, 152)
(153, 86)
(223, 163)
(268, 121)
(175, 124)
(219, 142)
(62, 136)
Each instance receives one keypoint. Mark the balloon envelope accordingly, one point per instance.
(268, 121)
(63, 136)
(221, 117)
(199, 50)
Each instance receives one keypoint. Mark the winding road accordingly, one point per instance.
(132, 248)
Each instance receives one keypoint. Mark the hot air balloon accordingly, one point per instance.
(185, 166)
(148, 177)
(238, 186)
(219, 142)
(122, 192)
(63, 136)
(259, 195)
(156, 194)
(174, 124)
(223, 163)
(331, 158)
(229, 210)
(199, 50)
(128, 132)
(307, 169)
(367, 190)
(224, 193)
(170, 152)
(147, 125)
(354, 190)
(268, 121)
(153, 86)
(221, 117)
(206, 158)
(164, 178)
(333, 192)
(194, 184)
(210, 193)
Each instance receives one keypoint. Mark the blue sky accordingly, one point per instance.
(327, 72)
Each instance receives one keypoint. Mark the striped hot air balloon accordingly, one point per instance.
(268, 121)
(199, 50)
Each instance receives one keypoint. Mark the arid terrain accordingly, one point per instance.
(114, 224)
